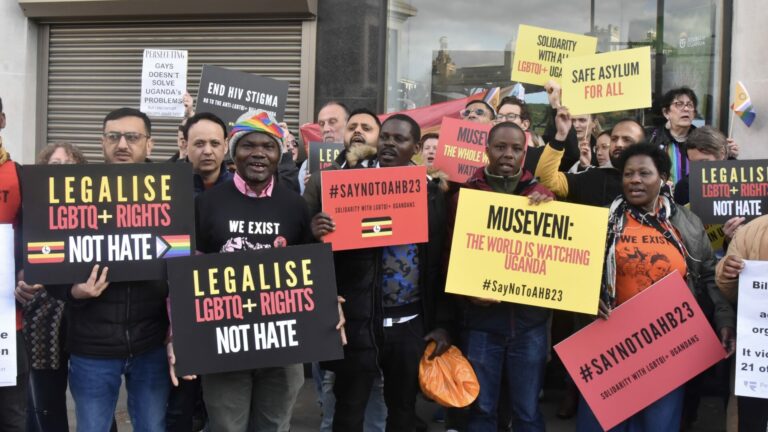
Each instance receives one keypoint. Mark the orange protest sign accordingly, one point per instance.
(376, 206)
(650, 345)
(461, 148)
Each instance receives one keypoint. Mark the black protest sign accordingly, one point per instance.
(722, 190)
(245, 310)
(321, 155)
(230, 93)
(124, 217)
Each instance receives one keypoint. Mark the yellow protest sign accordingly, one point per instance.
(613, 81)
(550, 255)
(540, 53)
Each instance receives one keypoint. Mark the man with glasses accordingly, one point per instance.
(478, 111)
(118, 329)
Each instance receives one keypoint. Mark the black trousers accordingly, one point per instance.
(399, 354)
(753, 414)
(182, 403)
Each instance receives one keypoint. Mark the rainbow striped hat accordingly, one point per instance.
(255, 121)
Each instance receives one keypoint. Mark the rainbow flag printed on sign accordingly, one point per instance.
(742, 105)
(45, 252)
(172, 246)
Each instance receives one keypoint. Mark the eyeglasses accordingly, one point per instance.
(508, 117)
(680, 105)
(479, 112)
(130, 137)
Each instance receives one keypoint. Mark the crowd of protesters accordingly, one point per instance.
(92, 335)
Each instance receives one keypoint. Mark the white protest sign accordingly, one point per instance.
(7, 308)
(752, 331)
(163, 82)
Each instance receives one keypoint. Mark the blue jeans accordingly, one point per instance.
(95, 385)
(523, 357)
(662, 415)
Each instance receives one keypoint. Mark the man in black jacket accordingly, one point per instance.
(118, 329)
(394, 302)
(595, 186)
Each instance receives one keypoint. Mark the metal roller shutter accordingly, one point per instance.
(94, 68)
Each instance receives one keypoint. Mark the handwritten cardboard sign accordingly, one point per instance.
(121, 216)
(550, 255)
(720, 190)
(375, 207)
(163, 82)
(229, 94)
(540, 53)
(245, 310)
(649, 346)
(751, 331)
(613, 81)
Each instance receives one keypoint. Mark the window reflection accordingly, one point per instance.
(440, 50)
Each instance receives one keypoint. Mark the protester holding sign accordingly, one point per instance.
(252, 211)
(394, 301)
(118, 329)
(360, 138)
(206, 138)
(359, 132)
(13, 399)
(503, 339)
(44, 322)
(749, 243)
(708, 144)
(648, 238)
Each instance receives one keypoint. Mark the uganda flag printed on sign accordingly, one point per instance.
(45, 252)
(376, 226)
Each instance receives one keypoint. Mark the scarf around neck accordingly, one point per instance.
(616, 221)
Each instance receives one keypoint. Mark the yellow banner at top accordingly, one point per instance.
(550, 255)
(540, 53)
(614, 81)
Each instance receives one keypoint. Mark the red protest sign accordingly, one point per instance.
(649, 346)
(461, 148)
(376, 207)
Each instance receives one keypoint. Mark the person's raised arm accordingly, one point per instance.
(547, 170)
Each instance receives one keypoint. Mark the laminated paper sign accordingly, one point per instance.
(720, 190)
(540, 53)
(549, 255)
(752, 331)
(375, 207)
(124, 217)
(229, 94)
(163, 82)
(246, 310)
(7, 308)
(613, 81)
(650, 345)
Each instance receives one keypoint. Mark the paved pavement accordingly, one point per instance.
(306, 416)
